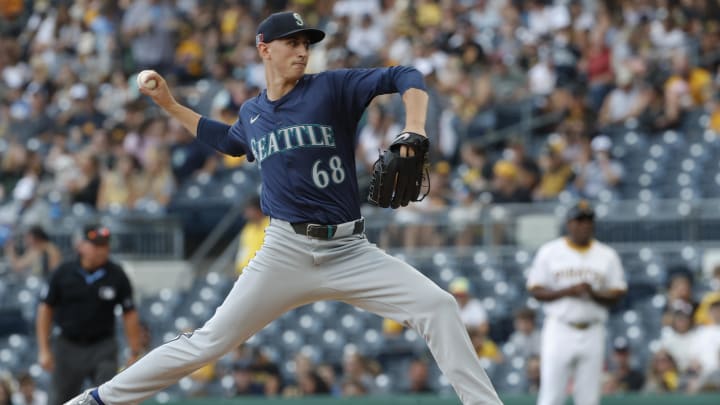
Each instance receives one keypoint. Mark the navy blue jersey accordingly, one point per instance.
(304, 142)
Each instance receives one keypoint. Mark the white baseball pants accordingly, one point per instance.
(569, 352)
(291, 270)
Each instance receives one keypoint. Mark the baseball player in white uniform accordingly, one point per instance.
(577, 278)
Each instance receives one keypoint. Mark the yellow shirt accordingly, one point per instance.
(204, 373)
(190, 53)
(699, 83)
(429, 15)
(391, 327)
(702, 314)
(715, 120)
(552, 183)
(488, 350)
(251, 240)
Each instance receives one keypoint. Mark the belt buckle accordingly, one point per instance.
(330, 231)
(309, 228)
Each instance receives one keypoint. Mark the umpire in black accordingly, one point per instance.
(80, 301)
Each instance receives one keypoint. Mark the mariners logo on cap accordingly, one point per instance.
(298, 20)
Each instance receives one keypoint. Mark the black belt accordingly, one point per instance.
(327, 232)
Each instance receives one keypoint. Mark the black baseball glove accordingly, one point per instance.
(397, 180)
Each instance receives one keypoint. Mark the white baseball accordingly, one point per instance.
(144, 81)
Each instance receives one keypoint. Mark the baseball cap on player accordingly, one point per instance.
(96, 234)
(581, 210)
(283, 25)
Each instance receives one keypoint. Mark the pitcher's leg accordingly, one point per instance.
(276, 280)
(391, 288)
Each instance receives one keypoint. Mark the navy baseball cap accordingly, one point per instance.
(283, 25)
(581, 210)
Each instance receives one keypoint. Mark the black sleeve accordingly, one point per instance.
(52, 293)
(125, 292)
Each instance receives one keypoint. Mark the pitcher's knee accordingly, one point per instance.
(442, 302)
(207, 346)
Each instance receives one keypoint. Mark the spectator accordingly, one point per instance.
(473, 172)
(28, 393)
(602, 173)
(709, 382)
(159, 184)
(149, 26)
(40, 257)
(663, 375)
(418, 231)
(12, 166)
(707, 341)
(680, 290)
(597, 63)
(622, 376)
(150, 135)
(485, 347)
(243, 381)
(352, 388)
(326, 371)
(375, 135)
(472, 312)
(355, 369)
(418, 376)
(628, 100)
(189, 56)
(85, 187)
(311, 384)
(556, 173)
(264, 369)
(532, 374)
(81, 112)
(528, 169)
(37, 123)
(702, 314)
(81, 300)
(678, 339)
(6, 393)
(366, 39)
(506, 187)
(525, 338)
(26, 207)
(120, 186)
(252, 234)
(687, 87)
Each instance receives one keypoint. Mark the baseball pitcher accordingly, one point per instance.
(301, 130)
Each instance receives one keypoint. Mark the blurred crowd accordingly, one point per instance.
(76, 135)
(74, 130)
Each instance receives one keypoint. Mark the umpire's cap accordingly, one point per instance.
(581, 210)
(283, 25)
(96, 234)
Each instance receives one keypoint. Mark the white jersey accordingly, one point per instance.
(559, 265)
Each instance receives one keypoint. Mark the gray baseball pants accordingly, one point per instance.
(291, 270)
(76, 362)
